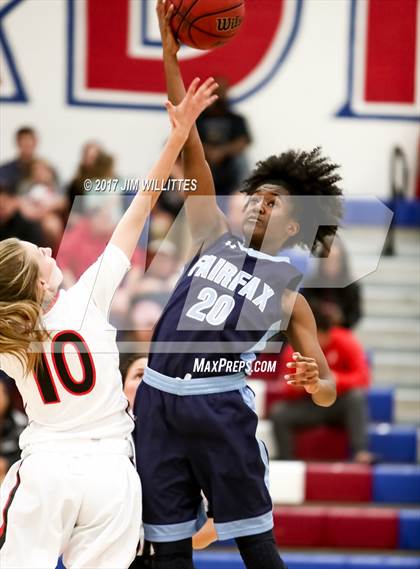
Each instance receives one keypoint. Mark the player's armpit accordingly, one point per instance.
(205, 221)
(311, 368)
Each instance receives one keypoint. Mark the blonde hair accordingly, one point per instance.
(20, 304)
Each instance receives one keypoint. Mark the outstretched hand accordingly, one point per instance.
(197, 99)
(165, 10)
(306, 374)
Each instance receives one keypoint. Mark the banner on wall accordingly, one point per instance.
(123, 69)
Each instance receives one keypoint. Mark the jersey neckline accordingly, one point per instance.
(261, 255)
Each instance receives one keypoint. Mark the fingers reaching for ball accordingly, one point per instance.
(197, 98)
(201, 25)
(200, 96)
(165, 10)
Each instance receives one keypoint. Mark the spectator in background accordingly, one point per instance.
(342, 303)
(144, 312)
(132, 368)
(162, 272)
(172, 201)
(90, 235)
(13, 173)
(12, 423)
(348, 363)
(91, 165)
(41, 173)
(159, 224)
(13, 222)
(225, 137)
(41, 201)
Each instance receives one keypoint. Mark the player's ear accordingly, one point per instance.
(43, 285)
(293, 228)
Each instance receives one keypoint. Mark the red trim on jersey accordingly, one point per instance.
(7, 507)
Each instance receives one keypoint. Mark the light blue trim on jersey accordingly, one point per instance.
(194, 386)
(265, 459)
(264, 256)
(248, 396)
(249, 526)
(175, 532)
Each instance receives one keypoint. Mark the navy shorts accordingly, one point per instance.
(191, 445)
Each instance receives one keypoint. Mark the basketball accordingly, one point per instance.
(206, 24)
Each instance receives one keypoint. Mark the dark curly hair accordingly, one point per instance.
(304, 173)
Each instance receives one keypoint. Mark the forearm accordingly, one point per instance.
(174, 82)
(175, 86)
(326, 393)
(204, 219)
(312, 370)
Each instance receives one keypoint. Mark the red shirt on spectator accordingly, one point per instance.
(81, 247)
(346, 359)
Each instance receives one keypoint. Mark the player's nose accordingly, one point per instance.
(257, 203)
(261, 206)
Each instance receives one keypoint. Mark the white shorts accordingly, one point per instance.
(84, 506)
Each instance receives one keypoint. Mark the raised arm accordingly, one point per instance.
(205, 219)
(311, 368)
(182, 117)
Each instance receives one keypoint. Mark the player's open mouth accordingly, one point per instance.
(253, 220)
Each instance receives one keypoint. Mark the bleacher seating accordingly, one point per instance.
(397, 484)
(361, 523)
(380, 400)
(207, 560)
(390, 442)
(338, 482)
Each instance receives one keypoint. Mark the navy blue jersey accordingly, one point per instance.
(225, 306)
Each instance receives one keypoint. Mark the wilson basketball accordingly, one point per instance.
(206, 24)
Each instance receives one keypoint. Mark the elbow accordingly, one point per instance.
(327, 401)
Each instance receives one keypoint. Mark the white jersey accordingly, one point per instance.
(78, 392)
